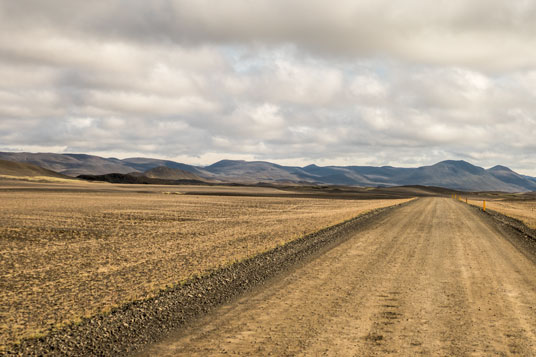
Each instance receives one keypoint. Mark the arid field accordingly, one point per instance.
(72, 253)
(523, 210)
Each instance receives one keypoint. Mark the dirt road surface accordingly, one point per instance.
(432, 278)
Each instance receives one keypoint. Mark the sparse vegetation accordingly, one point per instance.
(37, 178)
(523, 210)
(69, 255)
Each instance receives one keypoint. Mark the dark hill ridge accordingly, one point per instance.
(457, 175)
(160, 175)
(139, 179)
(169, 173)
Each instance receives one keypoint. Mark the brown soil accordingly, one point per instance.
(66, 256)
(436, 277)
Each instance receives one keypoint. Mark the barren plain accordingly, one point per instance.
(73, 251)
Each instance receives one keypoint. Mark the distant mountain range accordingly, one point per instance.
(458, 175)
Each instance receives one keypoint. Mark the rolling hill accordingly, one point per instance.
(71, 164)
(458, 175)
(82, 164)
(19, 169)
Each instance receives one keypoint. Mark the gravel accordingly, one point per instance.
(521, 236)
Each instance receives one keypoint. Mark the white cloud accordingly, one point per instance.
(368, 86)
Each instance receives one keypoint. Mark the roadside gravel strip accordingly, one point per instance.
(517, 233)
(127, 329)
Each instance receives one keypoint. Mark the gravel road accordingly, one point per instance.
(435, 277)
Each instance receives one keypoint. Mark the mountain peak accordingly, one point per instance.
(459, 166)
(227, 162)
(500, 168)
(224, 163)
(457, 163)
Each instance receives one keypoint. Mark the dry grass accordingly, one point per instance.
(524, 211)
(37, 178)
(66, 255)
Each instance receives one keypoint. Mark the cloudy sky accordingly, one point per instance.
(374, 82)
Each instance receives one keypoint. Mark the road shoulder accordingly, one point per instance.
(516, 232)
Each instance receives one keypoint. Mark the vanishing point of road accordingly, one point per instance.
(434, 277)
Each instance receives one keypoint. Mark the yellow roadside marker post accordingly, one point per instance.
(484, 205)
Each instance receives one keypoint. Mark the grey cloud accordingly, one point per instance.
(487, 34)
